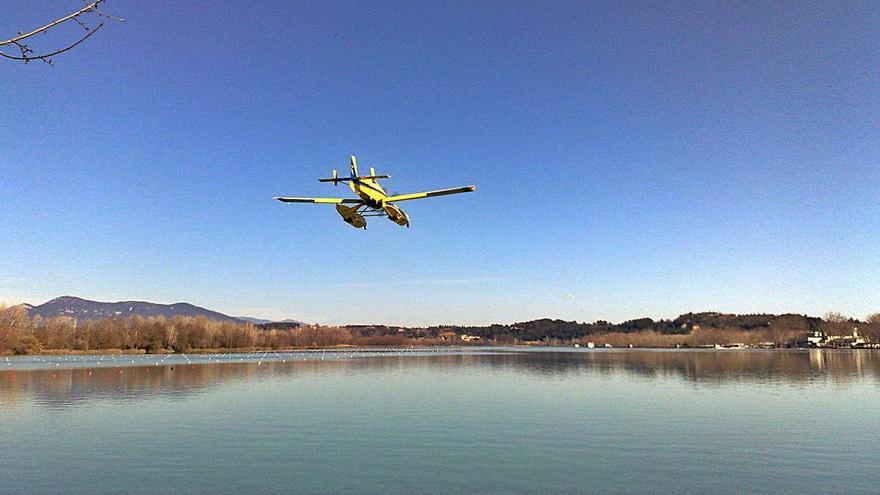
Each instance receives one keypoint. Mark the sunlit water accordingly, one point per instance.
(450, 421)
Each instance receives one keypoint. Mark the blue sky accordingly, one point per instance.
(631, 159)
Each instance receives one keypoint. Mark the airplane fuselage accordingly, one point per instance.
(370, 191)
(374, 196)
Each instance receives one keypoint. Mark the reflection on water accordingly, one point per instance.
(494, 421)
(54, 386)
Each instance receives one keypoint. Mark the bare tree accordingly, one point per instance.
(871, 328)
(834, 317)
(834, 323)
(84, 17)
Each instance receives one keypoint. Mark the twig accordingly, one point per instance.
(56, 22)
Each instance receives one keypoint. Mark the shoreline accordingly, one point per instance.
(343, 347)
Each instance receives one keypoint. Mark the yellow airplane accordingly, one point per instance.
(373, 201)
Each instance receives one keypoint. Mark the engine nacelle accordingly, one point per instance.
(351, 216)
(396, 215)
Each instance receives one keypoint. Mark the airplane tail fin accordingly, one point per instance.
(372, 175)
(354, 167)
(335, 179)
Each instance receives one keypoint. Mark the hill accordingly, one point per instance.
(84, 309)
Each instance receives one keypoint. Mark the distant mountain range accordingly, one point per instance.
(263, 321)
(255, 321)
(84, 309)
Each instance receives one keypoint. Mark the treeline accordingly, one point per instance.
(785, 328)
(20, 334)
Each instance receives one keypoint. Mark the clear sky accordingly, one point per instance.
(631, 159)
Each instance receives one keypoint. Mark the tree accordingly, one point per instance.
(834, 317)
(871, 329)
(81, 16)
(789, 328)
(834, 323)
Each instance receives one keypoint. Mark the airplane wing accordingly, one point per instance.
(333, 201)
(429, 194)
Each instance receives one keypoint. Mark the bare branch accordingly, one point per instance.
(25, 49)
(27, 54)
(56, 22)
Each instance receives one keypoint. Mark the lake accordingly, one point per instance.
(472, 420)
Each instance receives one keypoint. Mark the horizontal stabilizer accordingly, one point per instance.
(334, 179)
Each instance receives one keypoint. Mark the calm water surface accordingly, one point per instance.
(459, 421)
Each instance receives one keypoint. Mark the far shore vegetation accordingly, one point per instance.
(21, 334)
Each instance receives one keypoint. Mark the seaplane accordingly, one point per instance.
(372, 200)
